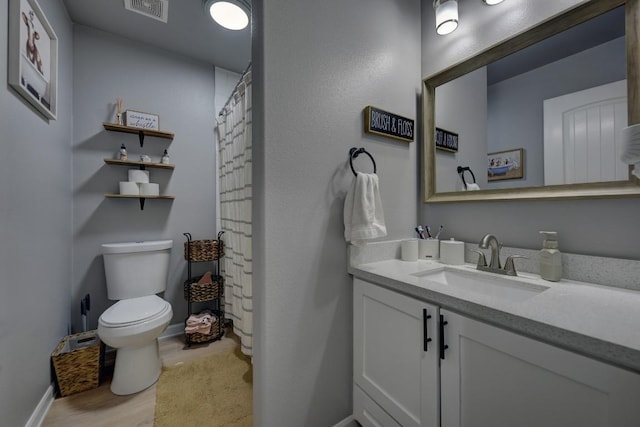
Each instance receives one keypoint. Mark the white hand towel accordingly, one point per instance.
(363, 215)
(472, 187)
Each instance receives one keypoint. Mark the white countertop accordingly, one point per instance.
(598, 321)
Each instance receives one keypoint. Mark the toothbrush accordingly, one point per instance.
(429, 231)
(439, 231)
(420, 231)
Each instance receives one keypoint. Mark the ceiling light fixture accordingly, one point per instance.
(446, 16)
(492, 2)
(231, 14)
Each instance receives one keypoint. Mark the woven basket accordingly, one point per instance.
(216, 332)
(203, 250)
(195, 292)
(77, 362)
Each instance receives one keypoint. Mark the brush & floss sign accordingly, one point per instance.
(384, 123)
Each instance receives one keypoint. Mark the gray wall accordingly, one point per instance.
(591, 227)
(181, 91)
(312, 83)
(462, 109)
(35, 229)
(515, 105)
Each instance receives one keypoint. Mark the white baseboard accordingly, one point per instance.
(347, 422)
(37, 417)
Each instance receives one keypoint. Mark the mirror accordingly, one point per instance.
(485, 118)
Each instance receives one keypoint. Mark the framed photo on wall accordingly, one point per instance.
(508, 164)
(33, 56)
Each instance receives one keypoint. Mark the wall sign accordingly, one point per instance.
(447, 141)
(380, 122)
(138, 119)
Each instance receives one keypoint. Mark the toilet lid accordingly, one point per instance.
(134, 310)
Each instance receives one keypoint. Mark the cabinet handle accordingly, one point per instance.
(425, 333)
(443, 347)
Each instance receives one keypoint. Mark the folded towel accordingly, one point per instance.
(206, 317)
(205, 329)
(363, 214)
(205, 279)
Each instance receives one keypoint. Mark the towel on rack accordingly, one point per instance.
(363, 215)
(472, 186)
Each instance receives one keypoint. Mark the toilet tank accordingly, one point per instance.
(136, 269)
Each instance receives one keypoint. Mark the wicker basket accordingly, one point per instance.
(203, 250)
(216, 332)
(77, 361)
(200, 292)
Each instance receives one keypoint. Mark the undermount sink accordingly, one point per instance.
(501, 287)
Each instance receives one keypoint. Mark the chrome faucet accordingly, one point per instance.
(490, 241)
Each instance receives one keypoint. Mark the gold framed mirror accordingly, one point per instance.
(627, 185)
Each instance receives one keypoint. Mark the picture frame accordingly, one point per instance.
(141, 120)
(507, 164)
(33, 56)
(446, 140)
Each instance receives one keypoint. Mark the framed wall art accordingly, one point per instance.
(508, 164)
(33, 56)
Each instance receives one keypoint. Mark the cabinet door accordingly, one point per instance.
(369, 413)
(394, 361)
(492, 377)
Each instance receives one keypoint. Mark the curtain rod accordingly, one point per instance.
(235, 89)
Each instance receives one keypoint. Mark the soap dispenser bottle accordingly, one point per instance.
(550, 257)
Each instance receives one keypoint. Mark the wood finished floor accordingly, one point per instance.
(99, 407)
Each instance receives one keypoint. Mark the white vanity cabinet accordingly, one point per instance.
(395, 358)
(493, 377)
(488, 376)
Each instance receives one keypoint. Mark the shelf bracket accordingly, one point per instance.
(141, 137)
(142, 199)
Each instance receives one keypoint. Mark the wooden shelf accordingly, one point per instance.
(136, 196)
(141, 164)
(140, 197)
(137, 131)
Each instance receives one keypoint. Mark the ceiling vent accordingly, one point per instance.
(156, 9)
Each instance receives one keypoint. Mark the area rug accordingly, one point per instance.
(214, 391)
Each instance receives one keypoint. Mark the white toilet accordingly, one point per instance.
(135, 273)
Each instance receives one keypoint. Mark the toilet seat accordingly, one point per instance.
(133, 311)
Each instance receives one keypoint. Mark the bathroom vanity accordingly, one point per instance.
(452, 346)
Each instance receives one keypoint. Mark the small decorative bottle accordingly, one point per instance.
(165, 158)
(123, 152)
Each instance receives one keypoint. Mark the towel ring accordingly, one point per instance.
(355, 152)
(462, 170)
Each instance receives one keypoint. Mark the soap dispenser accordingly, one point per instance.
(550, 257)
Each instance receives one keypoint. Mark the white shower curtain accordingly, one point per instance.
(234, 139)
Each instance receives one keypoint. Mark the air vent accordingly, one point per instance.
(156, 9)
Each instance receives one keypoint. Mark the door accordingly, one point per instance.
(492, 377)
(582, 140)
(395, 354)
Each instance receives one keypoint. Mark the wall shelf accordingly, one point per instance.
(135, 196)
(142, 165)
(140, 132)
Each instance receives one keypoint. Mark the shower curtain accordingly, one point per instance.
(234, 139)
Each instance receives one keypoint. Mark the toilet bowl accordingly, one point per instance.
(135, 273)
(132, 327)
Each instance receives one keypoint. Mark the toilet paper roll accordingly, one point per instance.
(428, 248)
(409, 250)
(149, 189)
(129, 188)
(452, 252)
(137, 175)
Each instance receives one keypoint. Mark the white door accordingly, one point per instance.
(395, 356)
(582, 141)
(492, 377)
